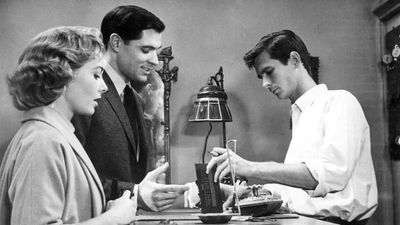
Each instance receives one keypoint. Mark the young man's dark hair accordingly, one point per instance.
(279, 45)
(128, 21)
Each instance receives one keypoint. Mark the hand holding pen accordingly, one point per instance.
(240, 165)
(228, 179)
(214, 154)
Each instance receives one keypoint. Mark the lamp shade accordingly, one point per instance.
(210, 106)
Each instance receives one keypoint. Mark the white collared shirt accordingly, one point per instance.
(118, 80)
(330, 134)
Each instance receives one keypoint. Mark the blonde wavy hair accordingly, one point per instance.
(49, 62)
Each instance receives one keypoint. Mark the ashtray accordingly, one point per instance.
(212, 218)
(260, 207)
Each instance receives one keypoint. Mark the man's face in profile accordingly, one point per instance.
(138, 58)
(278, 78)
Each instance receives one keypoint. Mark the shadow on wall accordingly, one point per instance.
(240, 126)
(184, 114)
(264, 120)
(188, 128)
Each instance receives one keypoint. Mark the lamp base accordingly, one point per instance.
(209, 191)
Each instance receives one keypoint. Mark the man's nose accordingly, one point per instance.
(266, 82)
(154, 59)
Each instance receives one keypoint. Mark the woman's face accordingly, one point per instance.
(86, 88)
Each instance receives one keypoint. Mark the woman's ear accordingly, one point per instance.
(115, 42)
(295, 58)
(64, 90)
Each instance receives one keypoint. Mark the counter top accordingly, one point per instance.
(188, 216)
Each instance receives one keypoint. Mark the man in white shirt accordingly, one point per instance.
(328, 170)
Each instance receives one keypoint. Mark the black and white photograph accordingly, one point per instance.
(243, 112)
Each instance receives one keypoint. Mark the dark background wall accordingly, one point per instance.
(209, 33)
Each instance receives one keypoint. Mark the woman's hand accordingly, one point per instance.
(122, 210)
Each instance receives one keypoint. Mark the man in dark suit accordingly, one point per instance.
(114, 137)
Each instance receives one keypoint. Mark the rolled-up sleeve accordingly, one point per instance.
(344, 130)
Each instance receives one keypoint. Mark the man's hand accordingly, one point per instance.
(242, 191)
(153, 94)
(158, 197)
(239, 164)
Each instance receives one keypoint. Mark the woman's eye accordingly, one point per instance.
(96, 76)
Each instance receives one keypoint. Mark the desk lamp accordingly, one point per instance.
(211, 106)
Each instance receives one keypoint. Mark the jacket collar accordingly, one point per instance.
(117, 79)
(50, 116)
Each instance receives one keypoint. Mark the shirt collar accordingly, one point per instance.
(118, 80)
(308, 98)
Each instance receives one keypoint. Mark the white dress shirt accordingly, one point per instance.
(118, 80)
(330, 134)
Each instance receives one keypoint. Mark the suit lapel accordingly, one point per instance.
(114, 100)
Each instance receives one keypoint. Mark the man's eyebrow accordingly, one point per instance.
(264, 70)
(150, 47)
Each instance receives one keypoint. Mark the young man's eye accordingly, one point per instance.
(265, 73)
(96, 76)
(145, 50)
(269, 72)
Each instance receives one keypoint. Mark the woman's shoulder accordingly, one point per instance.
(39, 129)
(40, 137)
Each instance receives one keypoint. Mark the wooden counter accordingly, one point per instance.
(187, 216)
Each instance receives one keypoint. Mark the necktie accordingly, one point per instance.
(130, 105)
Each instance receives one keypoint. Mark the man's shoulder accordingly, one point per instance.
(342, 100)
(339, 92)
(341, 95)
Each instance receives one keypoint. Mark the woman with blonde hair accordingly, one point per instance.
(46, 176)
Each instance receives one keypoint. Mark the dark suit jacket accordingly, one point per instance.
(108, 139)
